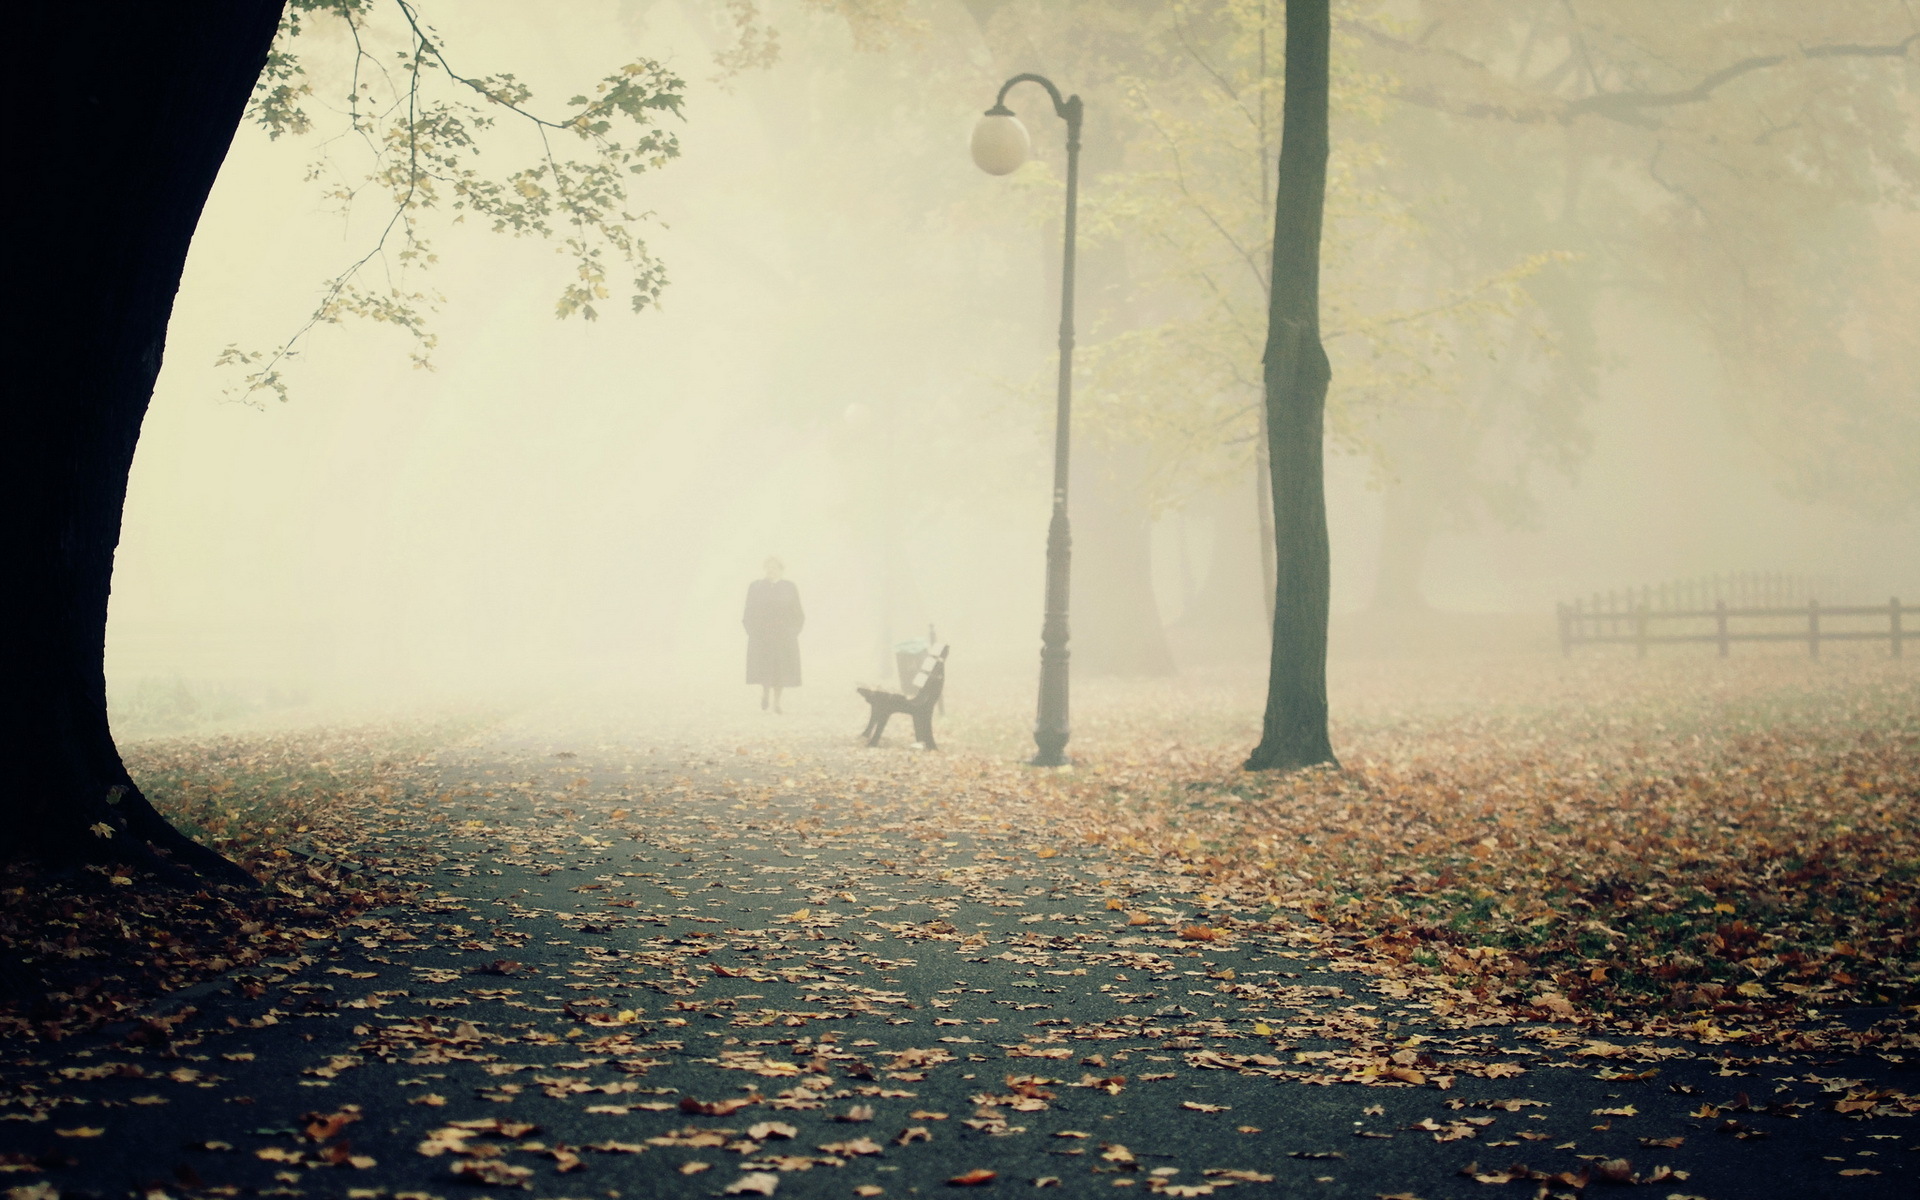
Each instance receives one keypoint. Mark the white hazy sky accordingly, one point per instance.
(565, 500)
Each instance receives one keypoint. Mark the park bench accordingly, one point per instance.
(916, 702)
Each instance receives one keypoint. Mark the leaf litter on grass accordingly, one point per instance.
(1722, 850)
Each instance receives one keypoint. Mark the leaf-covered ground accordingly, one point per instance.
(688, 951)
(79, 949)
(1724, 849)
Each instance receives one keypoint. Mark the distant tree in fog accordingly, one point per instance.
(139, 103)
(1749, 169)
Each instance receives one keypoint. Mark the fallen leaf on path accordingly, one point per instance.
(491, 1172)
(853, 1149)
(753, 1183)
(1239, 1176)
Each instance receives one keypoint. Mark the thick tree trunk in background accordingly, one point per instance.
(1407, 527)
(1226, 621)
(1117, 628)
(123, 114)
(1294, 731)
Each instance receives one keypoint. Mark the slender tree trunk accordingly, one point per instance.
(126, 111)
(1294, 732)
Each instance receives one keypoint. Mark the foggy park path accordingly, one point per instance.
(694, 953)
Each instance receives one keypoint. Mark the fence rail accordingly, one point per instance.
(1638, 623)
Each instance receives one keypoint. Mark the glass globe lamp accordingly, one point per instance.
(1000, 142)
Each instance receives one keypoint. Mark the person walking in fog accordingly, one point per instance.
(773, 620)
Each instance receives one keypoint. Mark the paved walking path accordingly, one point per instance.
(778, 964)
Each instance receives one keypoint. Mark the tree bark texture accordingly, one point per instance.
(127, 110)
(1294, 730)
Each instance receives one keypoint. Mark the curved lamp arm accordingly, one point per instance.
(1067, 108)
(1000, 142)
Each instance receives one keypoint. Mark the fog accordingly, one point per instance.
(851, 370)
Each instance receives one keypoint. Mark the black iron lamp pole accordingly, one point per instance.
(999, 146)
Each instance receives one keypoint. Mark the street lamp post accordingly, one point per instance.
(1000, 145)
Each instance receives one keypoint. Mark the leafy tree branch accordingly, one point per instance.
(420, 148)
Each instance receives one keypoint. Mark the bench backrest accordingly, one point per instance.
(933, 665)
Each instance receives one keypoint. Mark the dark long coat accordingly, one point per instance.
(773, 620)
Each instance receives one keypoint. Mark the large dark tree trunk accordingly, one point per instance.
(1294, 732)
(123, 113)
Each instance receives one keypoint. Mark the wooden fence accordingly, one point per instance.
(1760, 611)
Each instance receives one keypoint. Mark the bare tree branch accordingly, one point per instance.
(1628, 107)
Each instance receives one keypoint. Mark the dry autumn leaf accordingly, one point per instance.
(858, 1147)
(491, 1172)
(1237, 1175)
(716, 1108)
(753, 1183)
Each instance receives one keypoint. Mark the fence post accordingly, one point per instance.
(1566, 630)
(1813, 629)
(1640, 630)
(1720, 625)
(1893, 628)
